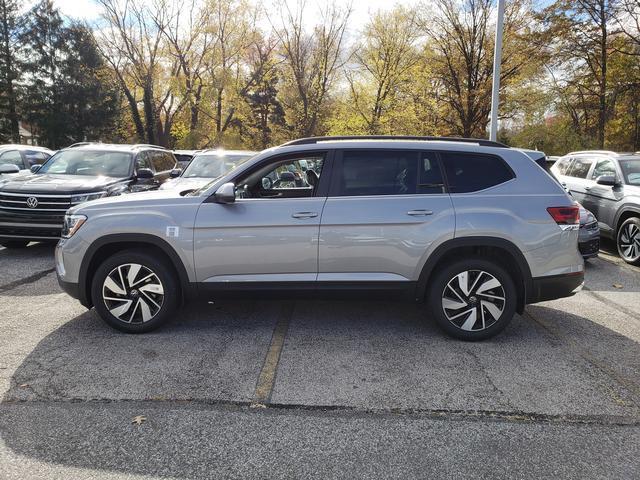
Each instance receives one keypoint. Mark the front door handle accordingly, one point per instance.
(419, 213)
(304, 215)
(587, 188)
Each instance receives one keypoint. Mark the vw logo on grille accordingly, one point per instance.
(32, 202)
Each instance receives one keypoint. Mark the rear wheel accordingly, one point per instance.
(628, 241)
(135, 292)
(14, 243)
(472, 299)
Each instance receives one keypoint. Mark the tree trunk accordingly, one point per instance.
(149, 113)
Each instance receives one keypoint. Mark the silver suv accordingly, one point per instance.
(607, 184)
(472, 227)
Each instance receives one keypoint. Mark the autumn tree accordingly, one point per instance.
(9, 71)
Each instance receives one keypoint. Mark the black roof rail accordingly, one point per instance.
(311, 140)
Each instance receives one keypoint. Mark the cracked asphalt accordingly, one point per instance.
(317, 389)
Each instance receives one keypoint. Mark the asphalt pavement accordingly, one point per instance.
(317, 389)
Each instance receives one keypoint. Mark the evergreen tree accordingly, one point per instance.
(68, 97)
(8, 71)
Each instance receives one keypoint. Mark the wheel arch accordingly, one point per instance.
(626, 212)
(502, 250)
(108, 245)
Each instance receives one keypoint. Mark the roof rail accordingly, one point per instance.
(606, 152)
(312, 140)
(80, 144)
(148, 145)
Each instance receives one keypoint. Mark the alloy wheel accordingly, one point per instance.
(629, 242)
(473, 300)
(133, 293)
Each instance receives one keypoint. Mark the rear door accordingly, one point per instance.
(577, 179)
(384, 211)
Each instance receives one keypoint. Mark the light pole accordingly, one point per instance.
(497, 59)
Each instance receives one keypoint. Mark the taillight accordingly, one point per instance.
(565, 215)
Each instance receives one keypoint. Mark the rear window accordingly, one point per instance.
(471, 172)
(562, 166)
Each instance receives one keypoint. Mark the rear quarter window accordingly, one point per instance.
(471, 172)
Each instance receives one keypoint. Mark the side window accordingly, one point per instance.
(603, 167)
(429, 174)
(12, 157)
(170, 160)
(380, 172)
(35, 158)
(143, 160)
(562, 165)
(470, 172)
(580, 167)
(160, 161)
(291, 178)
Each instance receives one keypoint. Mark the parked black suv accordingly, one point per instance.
(32, 207)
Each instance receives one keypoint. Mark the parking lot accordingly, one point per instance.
(297, 388)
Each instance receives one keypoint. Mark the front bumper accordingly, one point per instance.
(555, 286)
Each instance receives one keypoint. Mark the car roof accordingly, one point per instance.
(604, 152)
(36, 148)
(221, 152)
(114, 147)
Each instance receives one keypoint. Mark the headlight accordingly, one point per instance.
(85, 197)
(72, 223)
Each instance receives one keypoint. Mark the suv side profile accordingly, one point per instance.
(32, 207)
(472, 227)
(607, 184)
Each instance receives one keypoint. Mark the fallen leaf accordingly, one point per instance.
(617, 285)
(138, 420)
(24, 385)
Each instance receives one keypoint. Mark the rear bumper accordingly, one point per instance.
(555, 286)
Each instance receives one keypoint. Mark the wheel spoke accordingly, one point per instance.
(119, 311)
(132, 274)
(152, 288)
(488, 285)
(114, 287)
(451, 304)
(471, 321)
(463, 282)
(144, 308)
(494, 311)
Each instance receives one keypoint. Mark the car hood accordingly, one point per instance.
(185, 183)
(51, 183)
(141, 199)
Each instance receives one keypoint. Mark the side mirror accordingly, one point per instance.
(144, 174)
(607, 180)
(9, 168)
(287, 177)
(226, 193)
(35, 168)
(175, 173)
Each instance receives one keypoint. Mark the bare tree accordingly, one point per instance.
(311, 60)
(381, 63)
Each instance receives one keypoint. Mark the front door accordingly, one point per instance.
(270, 233)
(602, 200)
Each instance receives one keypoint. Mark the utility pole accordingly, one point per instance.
(497, 60)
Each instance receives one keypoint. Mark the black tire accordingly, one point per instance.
(485, 304)
(628, 241)
(14, 243)
(162, 307)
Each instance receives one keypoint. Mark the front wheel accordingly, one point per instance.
(135, 292)
(628, 241)
(472, 299)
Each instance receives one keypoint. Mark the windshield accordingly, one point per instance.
(631, 171)
(89, 163)
(213, 166)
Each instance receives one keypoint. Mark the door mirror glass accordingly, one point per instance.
(35, 168)
(266, 183)
(175, 173)
(608, 180)
(226, 193)
(144, 174)
(9, 168)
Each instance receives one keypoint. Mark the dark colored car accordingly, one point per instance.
(607, 184)
(32, 207)
(184, 157)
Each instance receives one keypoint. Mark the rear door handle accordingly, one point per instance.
(419, 213)
(304, 215)
(587, 188)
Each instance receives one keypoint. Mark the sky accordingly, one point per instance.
(88, 9)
